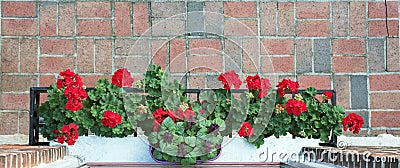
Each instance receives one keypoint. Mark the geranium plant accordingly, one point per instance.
(101, 110)
(66, 99)
(179, 130)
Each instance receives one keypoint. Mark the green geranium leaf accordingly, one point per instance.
(191, 141)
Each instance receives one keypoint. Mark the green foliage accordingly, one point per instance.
(55, 115)
(106, 96)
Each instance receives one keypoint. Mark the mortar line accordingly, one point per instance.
(57, 15)
(348, 18)
(258, 37)
(38, 41)
(367, 65)
(113, 36)
(295, 41)
(330, 41)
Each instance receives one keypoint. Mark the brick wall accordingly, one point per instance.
(352, 47)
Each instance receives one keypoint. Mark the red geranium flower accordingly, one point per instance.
(230, 78)
(69, 133)
(245, 130)
(253, 82)
(328, 95)
(122, 77)
(265, 85)
(187, 114)
(70, 79)
(287, 85)
(111, 119)
(353, 122)
(159, 115)
(295, 107)
(61, 139)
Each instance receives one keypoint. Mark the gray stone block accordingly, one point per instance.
(303, 56)
(359, 92)
(322, 55)
(376, 55)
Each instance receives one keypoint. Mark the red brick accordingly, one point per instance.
(392, 54)
(90, 80)
(9, 55)
(178, 55)
(316, 10)
(357, 19)
(85, 56)
(48, 19)
(103, 56)
(387, 100)
(385, 119)
(56, 64)
(197, 82)
(205, 46)
(19, 27)
(249, 62)
(240, 27)
(378, 9)
(378, 28)
(348, 46)
(341, 84)
(319, 82)
(278, 46)
(283, 64)
(340, 18)
(24, 122)
(18, 9)
(47, 80)
(122, 17)
(240, 9)
(160, 53)
(66, 15)
(205, 64)
(250, 56)
(137, 64)
(94, 27)
(384, 82)
(313, 28)
(141, 18)
(9, 101)
(93, 9)
(349, 64)
(17, 83)
(177, 47)
(285, 18)
(57, 46)
(9, 124)
(268, 17)
(29, 55)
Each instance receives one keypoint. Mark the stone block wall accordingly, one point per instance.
(350, 46)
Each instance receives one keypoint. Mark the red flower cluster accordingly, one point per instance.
(70, 79)
(73, 91)
(287, 85)
(353, 122)
(159, 116)
(69, 134)
(245, 130)
(260, 84)
(328, 95)
(122, 77)
(111, 119)
(295, 107)
(185, 115)
(230, 78)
